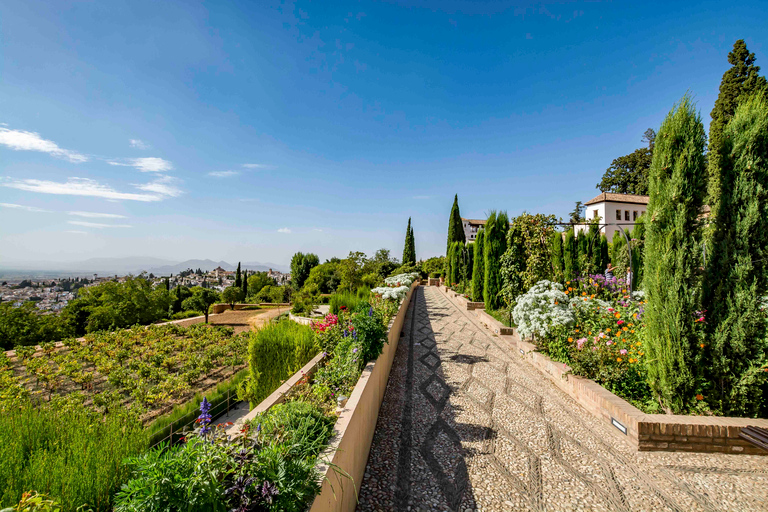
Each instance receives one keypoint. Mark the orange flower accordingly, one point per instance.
(592, 296)
(583, 293)
(618, 359)
(566, 292)
(617, 315)
(701, 345)
(634, 316)
(570, 289)
(570, 339)
(567, 282)
(556, 303)
(577, 330)
(608, 330)
(625, 328)
(590, 332)
(699, 397)
(631, 324)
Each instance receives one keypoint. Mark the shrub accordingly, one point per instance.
(541, 308)
(346, 300)
(371, 333)
(72, 455)
(478, 272)
(494, 246)
(275, 352)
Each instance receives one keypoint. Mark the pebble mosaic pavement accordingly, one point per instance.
(468, 425)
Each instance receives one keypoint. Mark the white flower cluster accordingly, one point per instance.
(387, 292)
(401, 279)
(541, 308)
(586, 304)
(638, 295)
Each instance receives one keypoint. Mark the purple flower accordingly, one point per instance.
(370, 311)
(354, 350)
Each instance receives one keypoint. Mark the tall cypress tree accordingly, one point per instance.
(412, 245)
(673, 256)
(495, 245)
(478, 270)
(456, 262)
(455, 227)
(570, 256)
(448, 261)
(245, 285)
(737, 270)
(406, 248)
(740, 80)
(238, 282)
(604, 258)
(638, 249)
(469, 259)
(556, 250)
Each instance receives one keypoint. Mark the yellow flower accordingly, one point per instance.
(608, 330)
(590, 332)
(578, 331)
(567, 282)
(617, 315)
(583, 293)
(618, 359)
(570, 339)
(624, 328)
(641, 353)
(634, 316)
(632, 331)
(631, 324)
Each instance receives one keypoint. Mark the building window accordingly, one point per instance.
(634, 215)
(618, 214)
(626, 214)
(594, 214)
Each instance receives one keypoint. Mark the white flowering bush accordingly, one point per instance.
(386, 292)
(402, 279)
(541, 308)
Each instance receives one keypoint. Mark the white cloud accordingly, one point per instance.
(96, 224)
(23, 207)
(254, 166)
(96, 215)
(162, 186)
(79, 187)
(21, 140)
(75, 232)
(223, 174)
(138, 144)
(148, 164)
(283, 230)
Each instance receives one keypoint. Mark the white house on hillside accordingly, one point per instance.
(614, 210)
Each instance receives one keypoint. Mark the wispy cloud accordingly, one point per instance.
(97, 215)
(75, 232)
(256, 166)
(79, 187)
(24, 207)
(223, 174)
(96, 224)
(283, 230)
(138, 144)
(148, 164)
(162, 186)
(21, 140)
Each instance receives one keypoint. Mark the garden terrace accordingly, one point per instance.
(152, 368)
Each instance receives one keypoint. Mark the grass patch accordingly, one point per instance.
(503, 316)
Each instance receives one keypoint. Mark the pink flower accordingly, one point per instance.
(620, 322)
(608, 343)
(580, 343)
(623, 351)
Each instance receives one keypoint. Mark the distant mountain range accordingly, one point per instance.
(123, 266)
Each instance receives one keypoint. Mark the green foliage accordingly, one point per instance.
(467, 263)
(577, 215)
(409, 249)
(348, 300)
(740, 81)
(432, 265)
(256, 283)
(527, 259)
(455, 226)
(448, 264)
(301, 265)
(456, 249)
(478, 271)
(68, 453)
(201, 300)
(570, 256)
(325, 277)
(371, 334)
(629, 174)
(494, 247)
(737, 266)
(25, 325)
(619, 254)
(238, 277)
(556, 252)
(273, 294)
(275, 352)
(232, 295)
(673, 255)
(638, 252)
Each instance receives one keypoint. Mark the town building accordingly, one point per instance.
(614, 210)
(472, 227)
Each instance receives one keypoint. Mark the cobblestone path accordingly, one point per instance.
(466, 424)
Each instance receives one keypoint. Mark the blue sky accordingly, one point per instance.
(250, 130)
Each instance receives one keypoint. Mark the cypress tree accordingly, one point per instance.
(582, 244)
(412, 245)
(739, 81)
(245, 285)
(167, 285)
(737, 270)
(177, 300)
(456, 262)
(673, 258)
(495, 246)
(638, 249)
(448, 260)
(556, 250)
(469, 257)
(238, 282)
(618, 249)
(570, 256)
(406, 246)
(455, 227)
(478, 270)
(604, 258)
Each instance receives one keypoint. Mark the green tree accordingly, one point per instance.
(238, 278)
(628, 174)
(478, 272)
(433, 265)
(467, 266)
(409, 249)
(527, 259)
(577, 215)
(673, 258)
(556, 250)
(737, 266)
(232, 295)
(495, 245)
(301, 265)
(739, 81)
(258, 280)
(448, 263)
(325, 278)
(570, 256)
(455, 226)
(201, 300)
(638, 250)
(245, 284)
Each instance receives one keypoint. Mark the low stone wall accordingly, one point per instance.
(353, 432)
(220, 308)
(646, 432)
(433, 281)
(475, 305)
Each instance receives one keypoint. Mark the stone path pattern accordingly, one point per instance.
(466, 424)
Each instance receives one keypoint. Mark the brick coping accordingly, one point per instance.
(645, 432)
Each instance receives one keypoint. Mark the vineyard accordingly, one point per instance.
(151, 369)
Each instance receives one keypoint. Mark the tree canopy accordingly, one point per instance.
(301, 265)
(628, 174)
(455, 227)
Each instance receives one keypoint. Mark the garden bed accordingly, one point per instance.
(645, 432)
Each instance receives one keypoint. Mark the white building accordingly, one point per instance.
(471, 228)
(614, 210)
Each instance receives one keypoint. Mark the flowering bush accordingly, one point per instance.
(541, 308)
(388, 293)
(401, 279)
